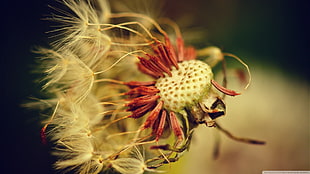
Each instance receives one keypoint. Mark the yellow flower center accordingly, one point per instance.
(186, 86)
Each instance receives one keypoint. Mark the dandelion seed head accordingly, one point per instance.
(133, 164)
(128, 166)
(80, 23)
(118, 80)
(186, 86)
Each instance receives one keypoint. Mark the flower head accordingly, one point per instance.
(119, 81)
(181, 84)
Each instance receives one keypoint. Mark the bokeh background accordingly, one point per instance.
(270, 35)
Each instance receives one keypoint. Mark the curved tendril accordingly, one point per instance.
(118, 60)
(121, 26)
(244, 64)
(173, 25)
(152, 21)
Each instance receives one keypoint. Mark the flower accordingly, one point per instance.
(181, 83)
(119, 81)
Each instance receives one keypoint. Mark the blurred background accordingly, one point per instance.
(270, 35)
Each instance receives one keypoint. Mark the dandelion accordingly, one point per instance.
(119, 82)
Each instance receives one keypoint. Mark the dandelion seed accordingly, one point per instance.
(134, 164)
(128, 166)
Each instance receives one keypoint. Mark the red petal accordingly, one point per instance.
(142, 90)
(223, 89)
(161, 126)
(175, 126)
(134, 84)
(141, 111)
(43, 135)
(140, 101)
(153, 115)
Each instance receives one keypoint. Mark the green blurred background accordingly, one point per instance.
(272, 36)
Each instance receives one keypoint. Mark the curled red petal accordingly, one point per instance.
(153, 115)
(158, 63)
(223, 89)
(161, 125)
(43, 135)
(142, 90)
(180, 46)
(141, 111)
(190, 53)
(147, 71)
(176, 126)
(133, 84)
(143, 100)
